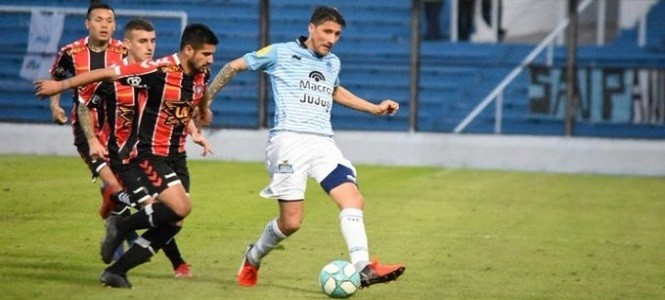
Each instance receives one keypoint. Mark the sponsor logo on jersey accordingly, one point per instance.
(310, 86)
(76, 49)
(178, 112)
(317, 76)
(125, 115)
(169, 68)
(116, 49)
(315, 100)
(134, 81)
(316, 83)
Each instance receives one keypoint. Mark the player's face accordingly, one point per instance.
(100, 25)
(324, 36)
(140, 45)
(201, 59)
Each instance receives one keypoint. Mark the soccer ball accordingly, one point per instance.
(339, 279)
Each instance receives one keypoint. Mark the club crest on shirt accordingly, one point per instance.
(198, 90)
(284, 168)
(178, 112)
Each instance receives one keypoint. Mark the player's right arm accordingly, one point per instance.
(225, 75)
(45, 88)
(57, 112)
(51, 87)
(228, 71)
(97, 150)
(63, 67)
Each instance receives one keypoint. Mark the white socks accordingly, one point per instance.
(270, 237)
(353, 230)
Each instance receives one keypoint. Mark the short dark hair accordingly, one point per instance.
(139, 24)
(197, 35)
(327, 13)
(98, 5)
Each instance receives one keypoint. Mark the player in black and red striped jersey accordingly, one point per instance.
(95, 51)
(118, 101)
(175, 84)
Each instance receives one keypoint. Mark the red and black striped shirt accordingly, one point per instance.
(77, 58)
(171, 98)
(118, 102)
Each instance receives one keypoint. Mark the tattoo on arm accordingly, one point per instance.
(86, 121)
(221, 79)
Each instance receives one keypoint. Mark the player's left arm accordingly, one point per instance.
(344, 97)
(198, 138)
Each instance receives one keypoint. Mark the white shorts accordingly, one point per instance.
(292, 157)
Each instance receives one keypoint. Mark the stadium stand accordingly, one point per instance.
(374, 49)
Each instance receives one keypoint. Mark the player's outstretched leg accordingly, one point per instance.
(151, 216)
(248, 274)
(269, 239)
(375, 273)
(143, 249)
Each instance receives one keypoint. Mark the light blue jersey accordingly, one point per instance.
(302, 85)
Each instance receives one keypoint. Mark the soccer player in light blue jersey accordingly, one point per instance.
(304, 77)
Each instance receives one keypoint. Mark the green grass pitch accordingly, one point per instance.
(463, 234)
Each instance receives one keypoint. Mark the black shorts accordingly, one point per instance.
(131, 180)
(159, 173)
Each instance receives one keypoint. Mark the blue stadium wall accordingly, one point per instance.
(375, 51)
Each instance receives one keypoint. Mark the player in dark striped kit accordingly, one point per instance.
(95, 51)
(119, 105)
(176, 84)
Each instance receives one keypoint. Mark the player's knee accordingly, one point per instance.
(352, 202)
(347, 195)
(289, 226)
(184, 210)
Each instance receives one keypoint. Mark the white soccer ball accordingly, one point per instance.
(339, 279)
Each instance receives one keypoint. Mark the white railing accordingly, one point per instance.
(497, 92)
(547, 42)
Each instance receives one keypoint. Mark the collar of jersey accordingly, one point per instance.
(301, 42)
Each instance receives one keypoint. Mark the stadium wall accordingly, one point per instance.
(499, 152)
